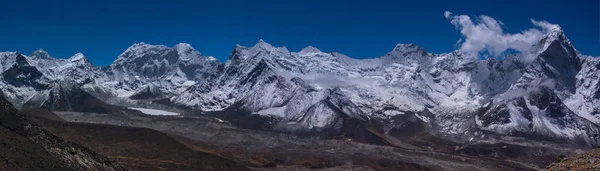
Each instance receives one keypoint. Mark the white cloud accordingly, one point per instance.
(486, 34)
(447, 14)
(545, 25)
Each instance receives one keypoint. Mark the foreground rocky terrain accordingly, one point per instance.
(27, 146)
(135, 148)
(585, 161)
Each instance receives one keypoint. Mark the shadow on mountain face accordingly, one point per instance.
(65, 97)
(22, 73)
(135, 148)
(27, 146)
(349, 127)
(242, 118)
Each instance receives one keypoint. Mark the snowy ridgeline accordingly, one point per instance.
(154, 111)
(312, 89)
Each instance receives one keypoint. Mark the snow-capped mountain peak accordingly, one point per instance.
(309, 50)
(139, 44)
(556, 30)
(558, 61)
(263, 45)
(40, 54)
(211, 58)
(183, 48)
(409, 49)
(260, 50)
(142, 57)
(558, 35)
(555, 34)
(139, 49)
(407, 53)
(187, 52)
(77, 57)
(80, 60)
(266, 47)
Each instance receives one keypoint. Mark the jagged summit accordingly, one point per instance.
(557, 35)
(309, 50)
(238, 46)
(140, 53)
(554, 29)
(255, 53)
(556, 60)
(183, 47)
(407, 53)
(138, 48)
(409, 48)
(264, 45)
(144, 51)
(77, 57)
(40, 54)
(187, 52)
(139, 44)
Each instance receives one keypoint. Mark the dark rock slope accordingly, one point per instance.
(24, 145)
(136, 148)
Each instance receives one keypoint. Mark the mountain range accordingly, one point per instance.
(549, 92)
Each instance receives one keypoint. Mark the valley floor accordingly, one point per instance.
(260, 150)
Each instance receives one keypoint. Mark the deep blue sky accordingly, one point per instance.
(102, 30)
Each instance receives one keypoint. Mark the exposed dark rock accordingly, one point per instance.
(66, 96)
(27, 146)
